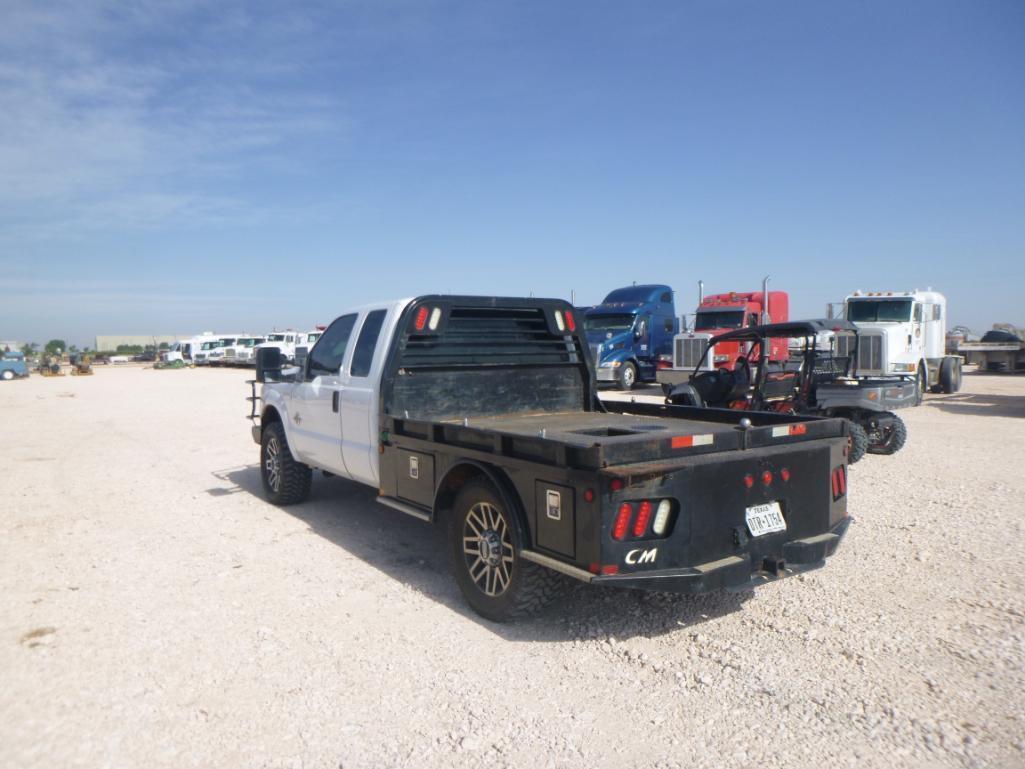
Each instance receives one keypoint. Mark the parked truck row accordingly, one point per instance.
(209, 349)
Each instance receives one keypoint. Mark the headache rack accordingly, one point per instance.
(481, 356)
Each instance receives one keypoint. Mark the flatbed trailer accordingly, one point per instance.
(487, 417)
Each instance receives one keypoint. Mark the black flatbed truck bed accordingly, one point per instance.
(564, 464)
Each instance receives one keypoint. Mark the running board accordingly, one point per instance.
(402, 507)
(551, 563)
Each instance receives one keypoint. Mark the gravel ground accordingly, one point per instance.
(155, 611)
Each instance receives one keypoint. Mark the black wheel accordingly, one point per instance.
(857, 442)
(486, 545)
(7, 375)
(921, 381)
(888, 439)
(627, 376)
(285, 481)
(950, 375)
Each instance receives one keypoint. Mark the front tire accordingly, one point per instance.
(921, 384)
(7, 375)
(627, 376)
(285, 481)
(486, 543)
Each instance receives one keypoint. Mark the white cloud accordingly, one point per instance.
(133, 115)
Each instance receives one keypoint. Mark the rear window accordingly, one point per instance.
(363, 356)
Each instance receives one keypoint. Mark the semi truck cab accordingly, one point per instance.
(902, 333)
(719, 314)
(629, 331)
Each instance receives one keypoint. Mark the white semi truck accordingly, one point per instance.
(902, 333)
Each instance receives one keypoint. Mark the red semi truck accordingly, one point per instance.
(717, 314)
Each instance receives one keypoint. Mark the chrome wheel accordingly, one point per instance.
(272, 464)
(488, 549)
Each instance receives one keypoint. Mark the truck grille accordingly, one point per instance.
(871, 352)
(688, 352)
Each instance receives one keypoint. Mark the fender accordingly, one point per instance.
(506, 492)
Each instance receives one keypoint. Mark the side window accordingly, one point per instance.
(363, 355)
(668, 326)
(666, 298)
(918, 313)
(937, 312)
(326, 357)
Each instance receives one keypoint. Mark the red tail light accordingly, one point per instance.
(643, 516)
(589, 495)
(839, 482)
(766, 477)
(616, 484)
(784, 474)
(421, 319)
(570, 323)
(626, 510)
(749, 480)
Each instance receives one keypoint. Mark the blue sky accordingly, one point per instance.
(174, 167)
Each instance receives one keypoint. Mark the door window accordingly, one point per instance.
(363, 355)
(326, 357)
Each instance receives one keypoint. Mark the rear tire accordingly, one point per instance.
(891, 440)
(950, 375)
(285, 481)
(857, 442)
(486, 543)
(627, 376)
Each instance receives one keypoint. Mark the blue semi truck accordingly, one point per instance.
(629, 331)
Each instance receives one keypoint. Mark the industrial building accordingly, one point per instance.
(10, 344)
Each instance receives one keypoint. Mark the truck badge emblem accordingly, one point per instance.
(554, 505)
(414, 468)
(646, 556)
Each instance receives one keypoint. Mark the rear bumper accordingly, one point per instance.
(735, 571)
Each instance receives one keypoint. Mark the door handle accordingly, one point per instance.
(334, 401)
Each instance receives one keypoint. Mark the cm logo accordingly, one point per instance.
(646, 556)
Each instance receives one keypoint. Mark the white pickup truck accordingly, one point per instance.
(483, 411)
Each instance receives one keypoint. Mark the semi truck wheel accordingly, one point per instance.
(285, 481)
(486, 545)
(950, 376)
(922, 385)
(889, 437)
(7, 375)
(627, 376)
(857, 442)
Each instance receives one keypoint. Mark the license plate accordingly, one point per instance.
(765, 519)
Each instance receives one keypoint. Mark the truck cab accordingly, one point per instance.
(629, 331)
(719, 314)
(284, 341)
(902, 333)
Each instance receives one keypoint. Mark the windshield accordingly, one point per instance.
(276, 338)
(608, 322)
(879, 310)
(727, 319)
(211, 345)
(246, 342)
(311, 338)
